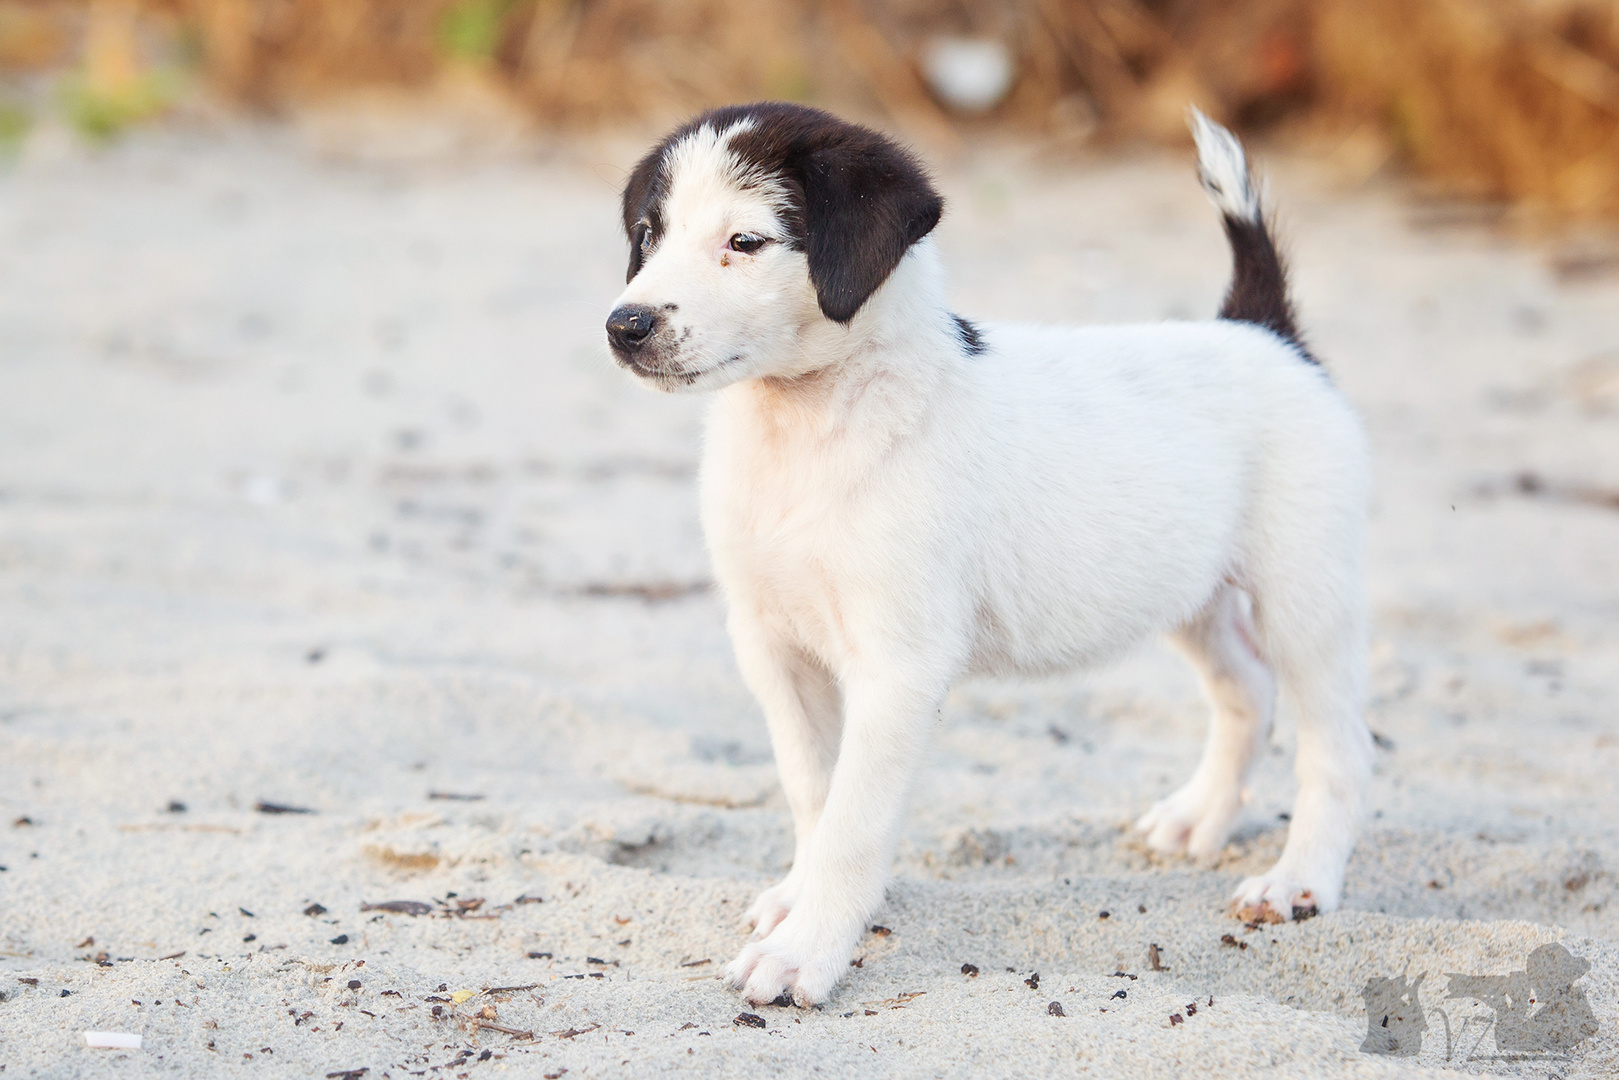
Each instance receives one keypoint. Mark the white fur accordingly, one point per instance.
(1223, 169)
(888, 514)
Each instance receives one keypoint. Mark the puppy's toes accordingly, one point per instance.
(804, 962)
(1162, 827)
(1148, 821)
(1209, 834)
(740, 970)
(1268, 898)
(817, 978)
(1168, 835)
(773, 976)
(770, 908)
(1194, 820)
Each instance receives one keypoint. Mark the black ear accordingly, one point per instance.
(866, 201)
(642, 196)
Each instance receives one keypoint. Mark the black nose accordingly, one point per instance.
(629, 326)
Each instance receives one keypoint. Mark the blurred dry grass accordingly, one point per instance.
(1501, 99)
(1512, 100)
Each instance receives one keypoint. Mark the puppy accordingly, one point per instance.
(895, 498)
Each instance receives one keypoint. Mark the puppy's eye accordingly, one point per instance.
(747, 243)
(646, 238)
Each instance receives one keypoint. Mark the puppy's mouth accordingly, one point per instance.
(671, 371)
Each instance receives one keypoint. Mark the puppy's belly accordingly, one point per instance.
(1055, 653)
(1048, 632)
(998, 661)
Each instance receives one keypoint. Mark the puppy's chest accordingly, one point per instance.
(783, 542)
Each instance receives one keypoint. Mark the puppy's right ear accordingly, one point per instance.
(642, 194)
(866, 201)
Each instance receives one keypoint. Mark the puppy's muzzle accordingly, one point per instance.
(629, 328)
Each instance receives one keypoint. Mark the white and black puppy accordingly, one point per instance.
(895, 498)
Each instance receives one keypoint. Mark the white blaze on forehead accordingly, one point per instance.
(708, 180)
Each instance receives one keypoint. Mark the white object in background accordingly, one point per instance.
(112, 1040)
(969, 74)
(263, 489)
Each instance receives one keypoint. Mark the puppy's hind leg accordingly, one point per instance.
(803, 709)
(1221, 646)
(1313, 624)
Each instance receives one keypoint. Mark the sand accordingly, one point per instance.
(318, 489)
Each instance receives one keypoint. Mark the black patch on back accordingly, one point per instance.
(858, 200)
(1258, 292)
(972, 342)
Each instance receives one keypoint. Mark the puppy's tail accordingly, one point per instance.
(1258, 292)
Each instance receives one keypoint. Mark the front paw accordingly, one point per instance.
(796, 962)
(1278, 897)
(1196, 819)
(772, 906)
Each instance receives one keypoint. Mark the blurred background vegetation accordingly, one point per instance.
(1512, 101)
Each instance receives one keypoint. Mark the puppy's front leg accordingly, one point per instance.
(845, 864)
(802, 707)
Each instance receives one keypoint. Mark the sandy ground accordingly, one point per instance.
(318, 489)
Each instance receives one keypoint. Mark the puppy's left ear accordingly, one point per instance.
(866, 201)
(640, 205)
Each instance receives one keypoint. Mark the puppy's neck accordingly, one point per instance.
(880, 370)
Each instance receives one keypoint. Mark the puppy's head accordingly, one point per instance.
(750, 225)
